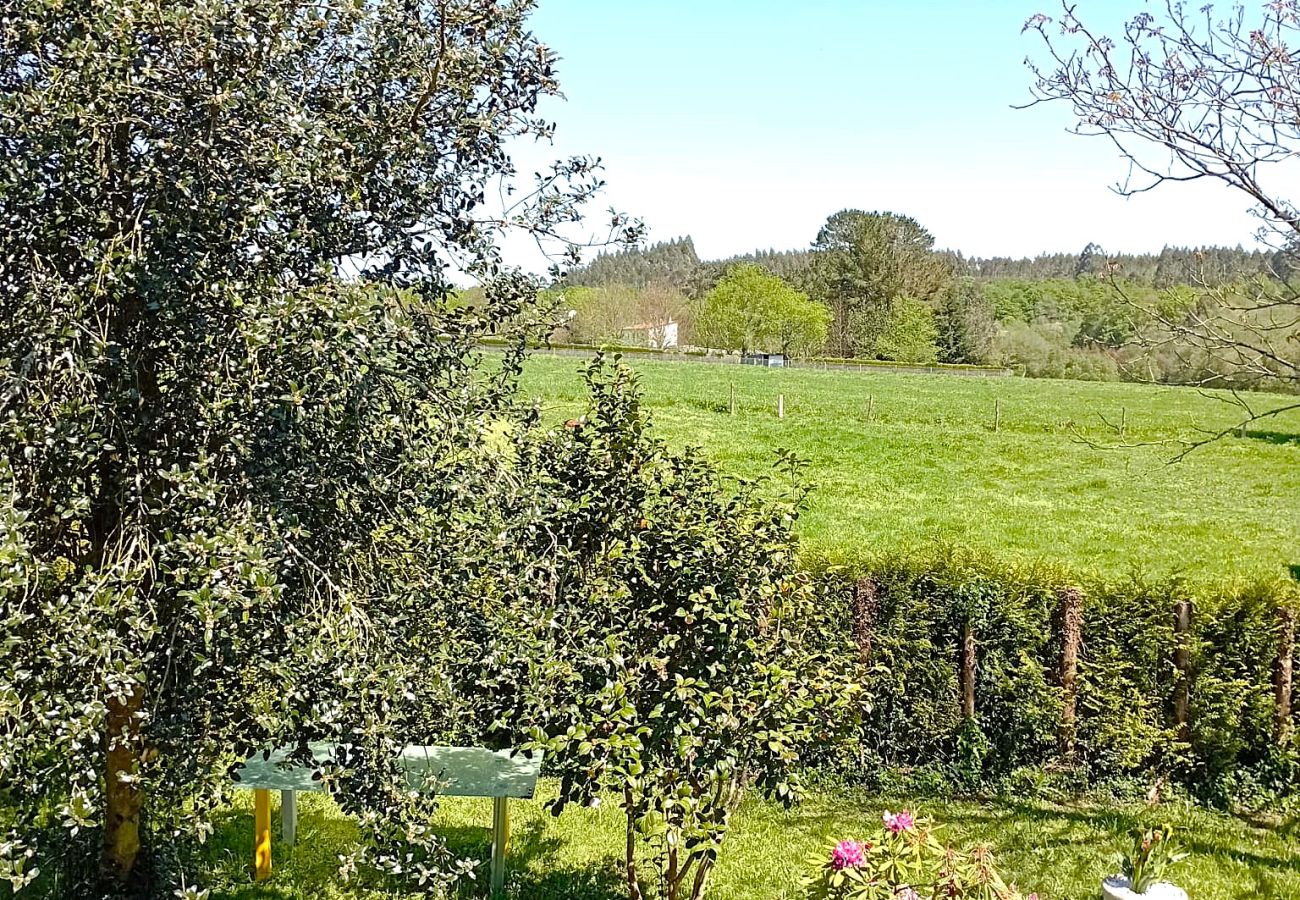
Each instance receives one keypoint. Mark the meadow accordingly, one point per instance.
(1060, 851)
(1029, 469)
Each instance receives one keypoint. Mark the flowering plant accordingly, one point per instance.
(904, 860)
(1154, 853)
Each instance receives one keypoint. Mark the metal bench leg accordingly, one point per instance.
(261, 834)
(288, 817)
(500, 843)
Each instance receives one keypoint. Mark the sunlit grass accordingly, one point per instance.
(927, 465)
(1059, 851)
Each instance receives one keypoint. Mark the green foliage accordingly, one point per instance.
(910, 333)
(863, 262)
(913, 624)
(906, 859)
(673, 262)
(210, 447)
(965, 321)
(675, 654)
(1152, 858)
(751, 310)
(1044, 351)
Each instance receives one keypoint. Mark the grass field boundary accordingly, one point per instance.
(821, 364)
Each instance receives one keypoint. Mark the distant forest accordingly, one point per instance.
(676, 262)
(881, 290)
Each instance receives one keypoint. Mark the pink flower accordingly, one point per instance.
(899, 821)
(847, 855)
(907, 893)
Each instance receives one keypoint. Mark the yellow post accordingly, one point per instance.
(261, 834)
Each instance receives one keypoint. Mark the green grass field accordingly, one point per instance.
(927, 465)
(1059, 851)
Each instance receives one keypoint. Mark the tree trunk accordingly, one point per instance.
(121, 792)
(633, 885)
(701, 879)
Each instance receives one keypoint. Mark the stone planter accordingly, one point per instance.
(1116, 888)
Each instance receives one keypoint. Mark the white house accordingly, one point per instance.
(660, 335)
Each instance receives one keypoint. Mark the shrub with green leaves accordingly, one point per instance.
(229, 382)
(673, 654)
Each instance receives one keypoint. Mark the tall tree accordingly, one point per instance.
(205, 438)
(965, 322)
(862, 262)
(752, 310)
(1198, 94)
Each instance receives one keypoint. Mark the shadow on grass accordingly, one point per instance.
(310, 868)
(1280, 438)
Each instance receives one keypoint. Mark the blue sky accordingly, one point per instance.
(745, 124)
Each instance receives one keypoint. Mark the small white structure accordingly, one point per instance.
(659, 335)
(1117, 888)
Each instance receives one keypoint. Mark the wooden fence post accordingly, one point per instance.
(732, 403)
(1183, 668)
(997, 415)
(871, 407)
(780, 406)
(1284, 725)
(967, 674)
(866, 605)
(1071, 638)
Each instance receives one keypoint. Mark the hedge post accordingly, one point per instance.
(1283, 725)
(865, 607)
(1071, 638)
(968, 671)
(1183, 667)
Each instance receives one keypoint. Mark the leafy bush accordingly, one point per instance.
(910, 334)
(905, 860)
(1045, 351)
(675, 654)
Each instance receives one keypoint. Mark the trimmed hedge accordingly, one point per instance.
(909, 615)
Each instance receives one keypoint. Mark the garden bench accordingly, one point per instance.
(447, 771)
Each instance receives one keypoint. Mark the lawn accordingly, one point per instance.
(927, 464)
(1059, 851)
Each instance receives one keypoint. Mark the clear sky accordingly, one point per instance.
(745, 123)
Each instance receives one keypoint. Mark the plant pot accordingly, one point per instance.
(1116, 888)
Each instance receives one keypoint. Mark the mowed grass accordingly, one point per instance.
(1059, 851)
(1051, 483)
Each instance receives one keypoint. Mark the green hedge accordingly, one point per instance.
(909, 615)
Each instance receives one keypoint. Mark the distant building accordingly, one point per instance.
(660, 335)
(775, 360)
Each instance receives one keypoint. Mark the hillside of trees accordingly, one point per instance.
(887, 293)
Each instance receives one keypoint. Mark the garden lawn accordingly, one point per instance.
(1058, 851)
(928, 465)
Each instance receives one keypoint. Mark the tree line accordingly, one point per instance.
(873, 285)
